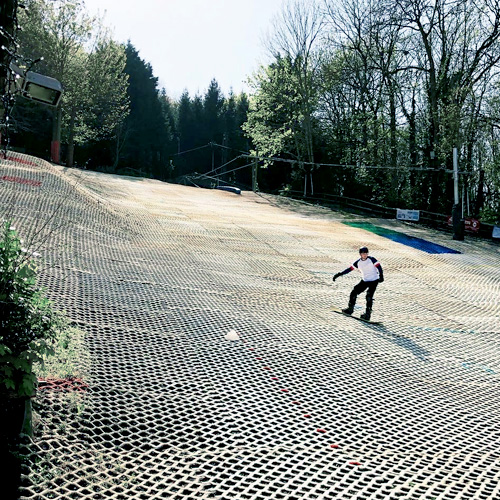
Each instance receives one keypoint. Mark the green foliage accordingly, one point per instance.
(490, 215)
(213, 104)
(28, 324)
(394, 87)
(113, 116)
(274, 116)
(280, 119)
(79, 52)
(211, 118)
(149, 139)
(67, 359)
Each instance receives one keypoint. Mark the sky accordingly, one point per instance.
(190, 42)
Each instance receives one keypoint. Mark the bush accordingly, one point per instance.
(28, 323)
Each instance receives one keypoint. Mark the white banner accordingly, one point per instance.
(412, 215)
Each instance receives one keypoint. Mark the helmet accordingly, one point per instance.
(363, 250)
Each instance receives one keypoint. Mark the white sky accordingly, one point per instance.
(189, 42)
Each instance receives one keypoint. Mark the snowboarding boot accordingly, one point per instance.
(369, 304)
(350, 308)
(366, 315)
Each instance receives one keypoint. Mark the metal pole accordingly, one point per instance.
(455, 174)
(457, 217)
(254, 176)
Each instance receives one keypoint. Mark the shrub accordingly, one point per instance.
(28, 323)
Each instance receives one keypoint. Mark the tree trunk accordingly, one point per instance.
(478, 206)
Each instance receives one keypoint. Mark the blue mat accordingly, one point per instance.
(411, 241)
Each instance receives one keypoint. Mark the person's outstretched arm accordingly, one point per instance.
(345, 271)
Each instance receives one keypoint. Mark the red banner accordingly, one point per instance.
(471, 225)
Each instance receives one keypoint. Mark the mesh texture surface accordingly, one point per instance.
(307, 404)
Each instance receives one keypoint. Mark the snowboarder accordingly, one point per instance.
(371, 273)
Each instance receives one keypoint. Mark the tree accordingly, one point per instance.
(185, 123)
(298, 28)
(147, 137)
(108, 99)
(367, 52)
(273, 114)
(8, 25)
(213, 121)
(213, 103)
(274, 121)
(455, 46)
(88, 64)
(57, 32)
(168, 113)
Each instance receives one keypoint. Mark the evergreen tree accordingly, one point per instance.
(147, 138)
(241, 141)
(168, 112)
(185, 139)
(108, 102)
(213, 123)
(213, 103)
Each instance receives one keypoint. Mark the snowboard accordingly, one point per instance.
(339, 311)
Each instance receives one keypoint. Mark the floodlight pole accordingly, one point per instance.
(457, 219)
(455, 175)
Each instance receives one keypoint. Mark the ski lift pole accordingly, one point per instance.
(255, 187)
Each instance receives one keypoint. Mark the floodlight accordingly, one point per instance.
(38, 87)
(42, 88)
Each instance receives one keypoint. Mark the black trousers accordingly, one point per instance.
(371, 286)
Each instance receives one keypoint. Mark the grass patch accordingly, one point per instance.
(69, 360)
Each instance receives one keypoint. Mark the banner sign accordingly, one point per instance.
(496, 232)
(412, 215)
(471, 225)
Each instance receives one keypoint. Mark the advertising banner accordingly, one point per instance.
(471, 225)
(411, 215)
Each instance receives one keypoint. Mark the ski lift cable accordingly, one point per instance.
(246, 154)
(217, 176)
(222, 166)
(191, 150)
(337, 165)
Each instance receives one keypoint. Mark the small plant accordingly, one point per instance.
(67, 358)
(490, 216)
(285, 190)
(28, 323)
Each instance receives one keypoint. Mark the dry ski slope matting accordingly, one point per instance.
(305, 404)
